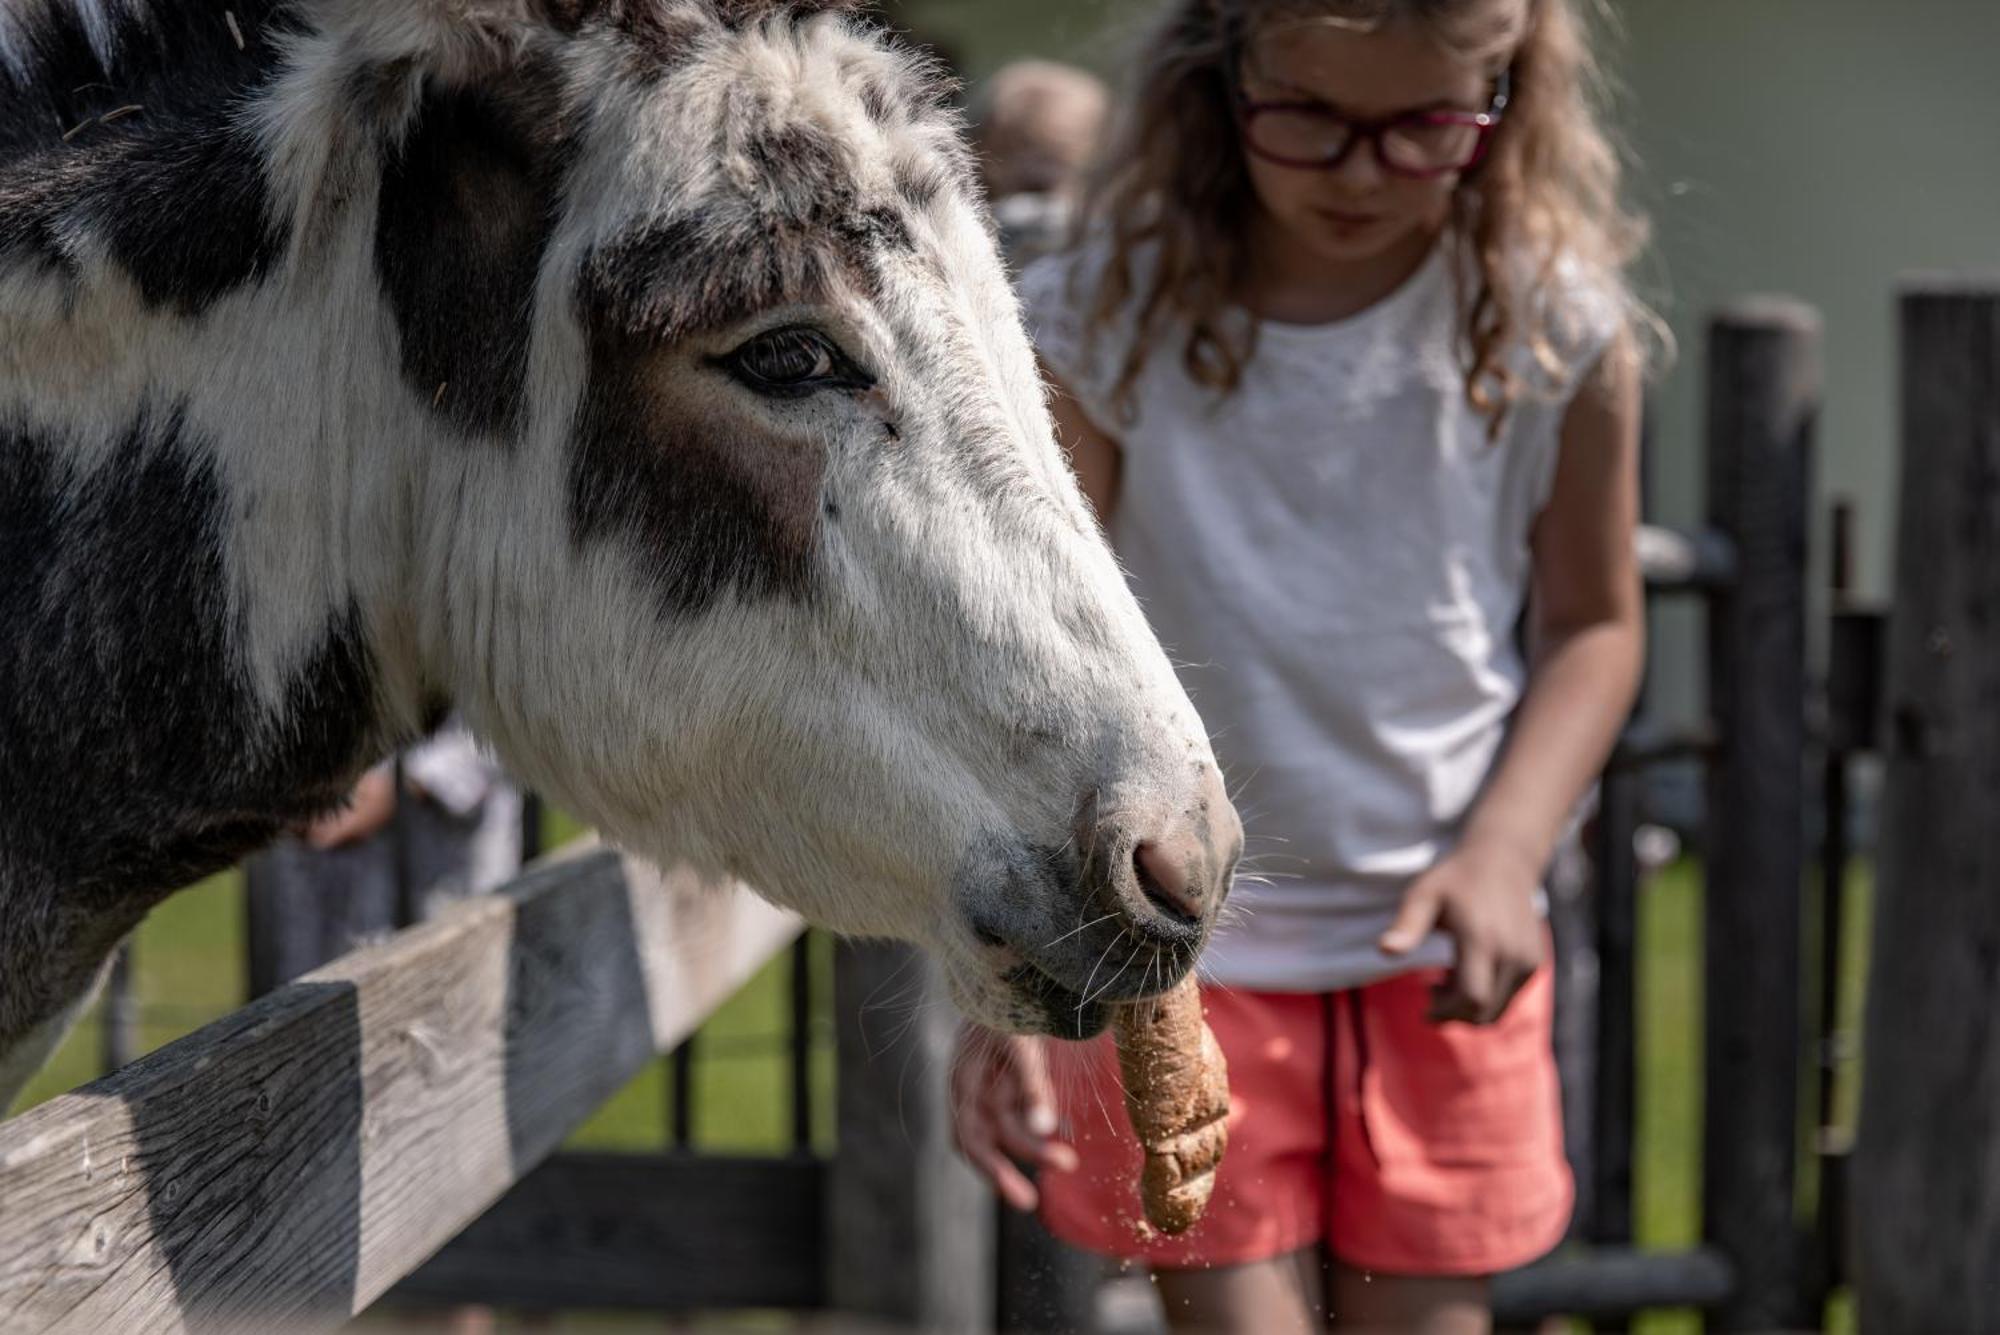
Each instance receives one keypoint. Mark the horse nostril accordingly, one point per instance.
(1164, 881)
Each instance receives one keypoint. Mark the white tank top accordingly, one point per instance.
(1336, 556)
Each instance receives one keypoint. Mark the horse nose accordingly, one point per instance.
(1166, 873)
(1169, 876)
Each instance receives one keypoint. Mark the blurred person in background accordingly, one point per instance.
(1346, 360)
(1035, 125)
(386, 859)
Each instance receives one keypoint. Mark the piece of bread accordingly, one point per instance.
(1177, 1096)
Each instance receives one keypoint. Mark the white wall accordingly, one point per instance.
(1820, 148)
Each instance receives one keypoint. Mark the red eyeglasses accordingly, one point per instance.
(1416, 143)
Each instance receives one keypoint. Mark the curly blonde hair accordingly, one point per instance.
(1171, 180)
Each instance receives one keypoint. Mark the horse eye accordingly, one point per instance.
(791, 362)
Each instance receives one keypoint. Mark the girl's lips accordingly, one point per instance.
(1343, 219)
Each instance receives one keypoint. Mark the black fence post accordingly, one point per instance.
(680, 1093)
(909, 1227)
(1043, 1284)
(1573, 923)
(800, 1043)
(1926, 1219)
(1616, 868)
(1763, 398)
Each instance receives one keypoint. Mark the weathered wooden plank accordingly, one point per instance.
(910, 1227)
(283, 1167)
(665, 1232)
(1763, 400)
(1926, 1197)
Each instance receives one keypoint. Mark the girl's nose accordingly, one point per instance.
(1361, 170)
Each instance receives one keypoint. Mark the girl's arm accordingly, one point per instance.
(1092, 454)
(1587, 646)
(1588, 624)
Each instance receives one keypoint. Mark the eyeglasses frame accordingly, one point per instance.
(1371, 130)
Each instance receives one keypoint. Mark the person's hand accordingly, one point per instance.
(1483, 894)
(368, 809)
(1002, 1105)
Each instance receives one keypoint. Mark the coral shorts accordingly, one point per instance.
(1355, 1125)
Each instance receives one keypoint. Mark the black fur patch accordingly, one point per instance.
(709, 507)
(182, 209)
(466, 211)
(187, 214)
(172, 57)
(145, 154)
(135, 757)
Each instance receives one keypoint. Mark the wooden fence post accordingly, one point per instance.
(1043, 1283)
(1926, 1198)
(909, 1226)
(1763, 397)
(1573, 922)
(1615, 868)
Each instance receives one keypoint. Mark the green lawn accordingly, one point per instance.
(189, 962)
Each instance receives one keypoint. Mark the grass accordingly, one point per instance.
(188, 961)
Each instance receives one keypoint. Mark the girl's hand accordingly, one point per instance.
(1483, 894)
(1003, 1105)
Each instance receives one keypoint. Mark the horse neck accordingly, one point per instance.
(201, 280)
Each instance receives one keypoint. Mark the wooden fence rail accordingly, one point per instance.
(283, 1167)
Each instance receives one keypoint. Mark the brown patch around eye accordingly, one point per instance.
(712, 499)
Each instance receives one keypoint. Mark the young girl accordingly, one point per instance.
(1343, 359)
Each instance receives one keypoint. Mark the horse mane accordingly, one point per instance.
(67, 63)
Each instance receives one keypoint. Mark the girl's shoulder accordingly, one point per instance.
(1579, 310)
(1589, 308)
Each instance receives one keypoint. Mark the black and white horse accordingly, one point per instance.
(636, 377)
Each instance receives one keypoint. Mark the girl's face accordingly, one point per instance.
(1320, 74)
